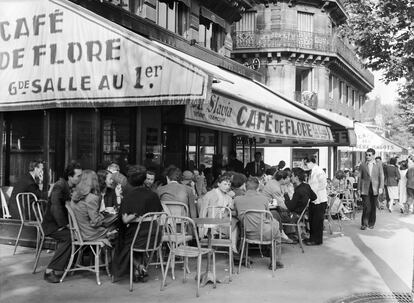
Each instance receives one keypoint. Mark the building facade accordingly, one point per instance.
(295, 44)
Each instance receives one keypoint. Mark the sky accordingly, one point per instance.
(386, 92)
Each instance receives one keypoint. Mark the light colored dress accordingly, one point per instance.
(402, 186)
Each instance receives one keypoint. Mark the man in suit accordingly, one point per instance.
(234, 164)
(257, 167)
(28, 183)
(55, 222)
(370, 184)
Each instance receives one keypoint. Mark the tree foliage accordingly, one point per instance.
(382, 32)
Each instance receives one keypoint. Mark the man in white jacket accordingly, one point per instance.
(317, 181)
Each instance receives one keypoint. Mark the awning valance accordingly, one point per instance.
(366, 138)
(54, 53)
(242, 106)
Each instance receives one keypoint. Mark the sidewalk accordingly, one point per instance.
(370, 261)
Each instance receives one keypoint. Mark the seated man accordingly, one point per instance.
(302, 194)
(255, 200)
(29, 182)
(55, 222)
(273, 189)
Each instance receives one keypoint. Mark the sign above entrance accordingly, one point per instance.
(54, 53)
(238, 117)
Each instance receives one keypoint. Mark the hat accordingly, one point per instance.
(188, 175)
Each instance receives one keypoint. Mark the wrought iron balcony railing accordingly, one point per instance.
(294, 39)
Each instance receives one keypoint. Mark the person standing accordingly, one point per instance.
(370, 184)
(410, 183)
(402, 186)
(234, 164)
(318, 183)
(391, 183)
(55, 222)
(257, 167)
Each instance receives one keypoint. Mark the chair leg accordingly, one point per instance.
(241, 255)
(173, 268)
(273, 258)
(300, 237)
(161, 261)
(198, 274)
(38, 252)
(247, 255)
(97, 255)
(131, 268)
(166, 270)
(230, 263)
(107, 250)
(18, 238)
(72, 255)
(185, 269)
(214, 270)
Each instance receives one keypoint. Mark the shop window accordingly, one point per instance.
(116, 136)
(298, 154)
(24, 136)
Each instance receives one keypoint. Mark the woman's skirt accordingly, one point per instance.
(393, 192)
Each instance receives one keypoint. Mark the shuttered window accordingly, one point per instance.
(247, 23)
(305, 22)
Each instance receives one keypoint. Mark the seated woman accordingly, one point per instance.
(136, 203)
(219, 197)
(106, 188)
(85, 204)
(121, 188)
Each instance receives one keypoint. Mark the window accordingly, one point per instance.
(305, 22)
(303, 80)
(353, 99)
(175, 18)
(341, 92)
(361, 102)
(166, 16)
(247, 23)
(331, 85)
(204, 35)
(347, 96)
(211, 36)
(183, 15)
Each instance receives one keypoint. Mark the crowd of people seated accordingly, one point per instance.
(108, 204)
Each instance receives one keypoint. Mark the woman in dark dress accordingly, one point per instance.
(138, 201)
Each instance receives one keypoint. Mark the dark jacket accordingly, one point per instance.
(392, 175)
(302, 194)
(24, 185)
(56, 215)
(250, 169)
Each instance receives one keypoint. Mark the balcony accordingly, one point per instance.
(307, 98)
(299, 40)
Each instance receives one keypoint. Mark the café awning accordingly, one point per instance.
(243, 106)
(56, 54)
(366, 138)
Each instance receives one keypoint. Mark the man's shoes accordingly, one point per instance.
(311, 243)
(51, 277)
(278, 264)
(363, 227)
(288, 241)
(371, 227)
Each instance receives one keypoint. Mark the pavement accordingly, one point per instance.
(352, 266)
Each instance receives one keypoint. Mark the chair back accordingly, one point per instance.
(39, 208)
(155, 231)
(175, 208)
(303, 213)
(220, 212)
(4, 206)
(24, 201)
(74, 227)
(265, 219)
(334, 204)
(177, 227)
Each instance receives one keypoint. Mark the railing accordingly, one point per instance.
(307, 98)
(299, 40)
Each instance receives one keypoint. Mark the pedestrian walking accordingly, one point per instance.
(391, 182)
(370, 184)
(402, 185)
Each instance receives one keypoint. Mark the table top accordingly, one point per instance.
(211, 221)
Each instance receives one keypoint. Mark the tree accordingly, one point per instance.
(383, 34)
(397, 127)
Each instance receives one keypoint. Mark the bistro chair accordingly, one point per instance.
(174, 208)
(222, 236)
(4, 207)
(27, 218)
(266, 218)
(153, 244)
(332, 208)
(300, 225)
(78, 245)
(348, 201)
(39, 208)
(182, 249)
